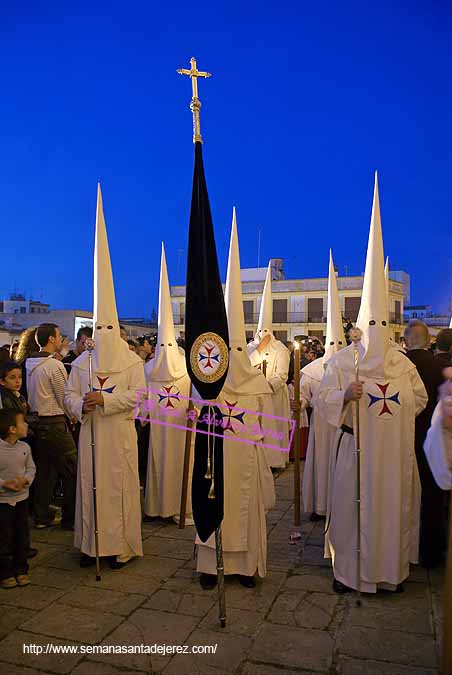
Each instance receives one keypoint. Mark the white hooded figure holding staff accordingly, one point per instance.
(390, 394)
(265, 347)
(321, 433)
(118, 379)
(168, 388)
(249, 490)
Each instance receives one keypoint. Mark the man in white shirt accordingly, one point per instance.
(56, 453)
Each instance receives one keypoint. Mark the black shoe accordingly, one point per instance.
(67, 526)
(32, 552)
(42, 526)
(207, 581)
(248, 582)
(315, 517)
(400, 588)
(87, 560)
(115, 564)
(340, 588)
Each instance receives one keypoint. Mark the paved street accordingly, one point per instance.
(292, 623)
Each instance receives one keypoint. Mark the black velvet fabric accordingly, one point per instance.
(204, 312)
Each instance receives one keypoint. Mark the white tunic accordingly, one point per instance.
(167, 448)
(277, 358)
(249, 493)
(438, 450)
(320, 442)
(390, 487)
(116, 453)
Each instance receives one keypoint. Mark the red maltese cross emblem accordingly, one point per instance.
(384, 400)
(168, 396)
(102, 381)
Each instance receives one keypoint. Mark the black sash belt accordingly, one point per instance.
(347, 429)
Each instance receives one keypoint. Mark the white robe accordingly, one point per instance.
(320, 442)
(167, 449)
(116, 453)
(390, 486)
(277, 357)
(438, 450)
(249, 492)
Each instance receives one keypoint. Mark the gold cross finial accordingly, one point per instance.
(195, 105)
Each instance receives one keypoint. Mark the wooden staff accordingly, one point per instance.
(296, 436)
(187, 454)
(264, 367)
(90, 345)
(355, 335)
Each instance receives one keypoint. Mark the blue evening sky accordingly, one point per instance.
(307, 99)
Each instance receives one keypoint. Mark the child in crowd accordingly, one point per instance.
(10, 385)
(17, 471)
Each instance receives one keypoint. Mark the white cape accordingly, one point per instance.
(116, 453)
(390, 486)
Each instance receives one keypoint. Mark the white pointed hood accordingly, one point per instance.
(265, 324)
(373, 312)
(335, 338)
(450, 325)
(387, 282)
(242, 377)
(168, 363)
(111, 353)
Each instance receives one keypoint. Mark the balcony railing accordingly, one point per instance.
(295, 317)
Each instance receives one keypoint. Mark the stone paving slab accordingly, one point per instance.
(386, 645)
(106, 601)
(11, 651)
(12, 617)
(294, 648)
(291, 623)
(31, 597)
(348, 666)
(93, 668)
(147, 627)
(72, 623)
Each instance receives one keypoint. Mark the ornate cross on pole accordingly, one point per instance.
(195, 104)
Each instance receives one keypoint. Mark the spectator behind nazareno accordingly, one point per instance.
(444, 346)
(83, 334)
(27, 347)
(56, 454)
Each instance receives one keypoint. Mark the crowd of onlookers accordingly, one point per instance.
(38, 440)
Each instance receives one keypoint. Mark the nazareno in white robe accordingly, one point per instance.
(320, 442)
(438, 450)
(277, 357)
(116, 453)
(167, 448)
(390, 486)
(249, 492)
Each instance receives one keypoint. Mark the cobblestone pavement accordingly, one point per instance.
(291, 623)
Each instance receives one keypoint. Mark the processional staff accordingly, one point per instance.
(195, 107)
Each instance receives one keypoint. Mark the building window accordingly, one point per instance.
(397, 312)
(280, 311)
(248, 311)
(23, 310)
(352, 308)
(280, 335)
(315, 310)
(182, 312)
(316, 333)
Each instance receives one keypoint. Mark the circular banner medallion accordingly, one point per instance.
(209, 357)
